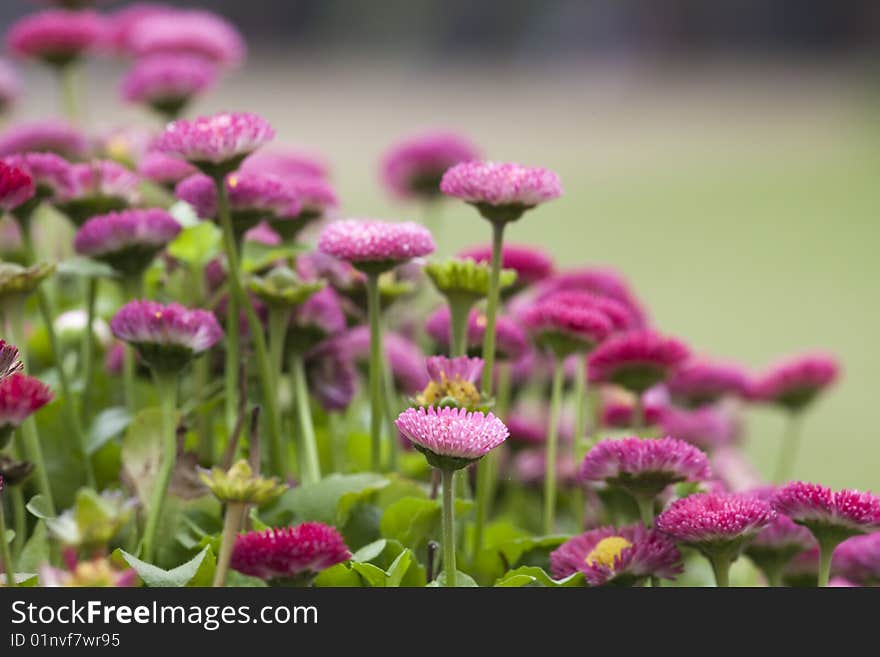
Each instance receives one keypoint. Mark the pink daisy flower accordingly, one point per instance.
(707, 428)
(290, 555)
(375, 245)
(52, 174)
(124, 22)
(501, 192)
(163, 169)
(619, 409)
(451, 438)
(858, 559)
(711, 522)
(529, 467)
(20, 397)
(16, 187)
(565, 329)
(700, 382)
(45, 136)
(636, 360)
(216, 144)
(167, 337)
(127, 241)
(414, 167)
(286, 164)
(57, 37)
(530, 263)
(831, 515)
(99, 187)
(167, 83)
(617, 557)
(796, 382)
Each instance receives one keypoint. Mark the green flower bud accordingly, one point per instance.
(240, 484)
(18, 281)
(282, 287)
(455, 277)
(94, 519)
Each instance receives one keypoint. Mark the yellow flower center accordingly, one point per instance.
(607, 550)
(463, 392)
(481, 321)
(233, 181)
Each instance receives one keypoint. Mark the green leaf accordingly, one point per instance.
(413, 521)
(373, 576)
(461, 580)
(205, 574)
(185, 214)
(35, 552)
(371, 551)
(399, 568)
(39, 507)
(197, 244)
(85, 268)
(107, 424)
(340, 575)
(257, 256)
(534, 576)
(155, 577)
(142, 453)
(28, 580)
(328, 500)
(8, 536)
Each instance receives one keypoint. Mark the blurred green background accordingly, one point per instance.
(739, 192)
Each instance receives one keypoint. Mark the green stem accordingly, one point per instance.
(374, 310)
(167, 389)
(638, 413)
(5, 554)
(484, 475)
(132, 288)
(826, 551)
(88, 340)
(264, 368)
(19, 519)
(492, 307)
(28, 429)
(232, 366)
(278, 316)
(505, 389)
(448, 481)
(69, 75)
(337, 439)
(390, 416)
(580, 429)
(552, 442)
(721, 568)
(311, 467)
(201, 376)
(789, 448)
(231, 525)
(459, 309)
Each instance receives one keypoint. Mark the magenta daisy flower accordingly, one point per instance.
(858, 559)
(565, 329)
(701, 382)
(127, 241)
(511, 340)
(99, 187)
(20, 397)
(57, 37)
(10, 86)
(501, 192)
(167, 83)
(286, 164)
(718, 525)
(124, 22)
(617, 557)
(52, 174)
(290, 555)
(163, 169)
(167, 337)
(796, 382)
(597, 281)
(451, 438)
(316, 319)
(636, 360)
(10, 360)
(45, 137)
(707, 428)
(644, 467)
(619, 409)
(529, 467)
(530, 263)
(830, 515)
(414, 167)
(16, 187)
(374, 245)
(191, 32)
(216, 144)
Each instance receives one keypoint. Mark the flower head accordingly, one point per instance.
(829, 514)
(529, 467)
(501, 192)
(530, 263)
(282, 287)
(239, 484)
(163, 169)
(45, 137)
(16, 187)
(599, 282)
(511, 340)
(565, 329)
(315, 319)
(644, 467)
(10, 360)
(858, 559)
(124, 22)
(707, 428)
(18, 281)
(215, 144)
(127, 241)
(20, 397)
(51, 173)
(450, 438)
(453, 382)
(780, 541)
(57, 37)
(372, 244)
(191, 32)
(700, 382)
(636, 360)
(715, 523)
(290, 554)
(166, 336)
(168, 82)
(286, 164)
(99, 187)
(796, 382)
(622, 557)
(465, 278)
(414, 167)
(94, 519)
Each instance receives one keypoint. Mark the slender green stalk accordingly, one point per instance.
(390, 397)
(492, 307)
(646, 509)
(826, 550)
(459, 309)
(310, 470)
(432, 218)
(552, 443)
(264, 368)
(5, 553)
(278, 316)
(88, 341)
(231, 525)
(70, 80)
(791, 440)
(448, 481)
(167, 389)
(721, 568)
(132, 288)
(201, 373)
(28, 429)
(579, 393)
(338, 433)
(638, 413)
(233, 360)
(374, 311)
(19, 519)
